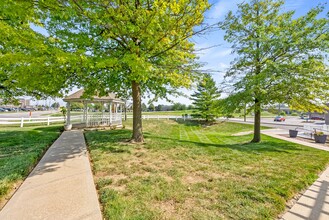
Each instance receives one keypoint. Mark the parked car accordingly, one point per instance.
(8, 109)
(2, 110)
(317, 118)
(279, 118)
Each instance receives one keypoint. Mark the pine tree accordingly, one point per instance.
(205, 98)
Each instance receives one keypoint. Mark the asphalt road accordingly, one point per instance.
(35, 114)
(291, 122)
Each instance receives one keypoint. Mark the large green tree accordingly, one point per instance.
(131, 47)
(280, 58)
(205, 99)
(29, 64)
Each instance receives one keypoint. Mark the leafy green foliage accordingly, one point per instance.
(123, 41)
(179, 106)
(130, 47)
(76, 106)
(63, 110)
(29, 64)
(151, 107)
(206, 98)
(281, 59)
(144, 107)
(55, 105)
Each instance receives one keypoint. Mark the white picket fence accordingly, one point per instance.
(95, 120)
(32, 120)
(76, 118)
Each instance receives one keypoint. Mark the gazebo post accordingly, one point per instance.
(121, 108)
(116, 111)
(102, 109)
(84, 111)
(68, 125)
(110, 110)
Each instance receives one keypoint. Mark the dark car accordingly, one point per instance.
(8, 109)
(317, 118)
(279, 118)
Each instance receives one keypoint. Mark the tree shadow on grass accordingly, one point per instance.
(197, 122)
(21, 149)
(117, 137)
(104, 140)
(247, 147)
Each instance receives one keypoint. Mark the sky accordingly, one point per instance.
(217, 59)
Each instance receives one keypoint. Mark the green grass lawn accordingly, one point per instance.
(186, 171)
(174, 113)
(20, 150)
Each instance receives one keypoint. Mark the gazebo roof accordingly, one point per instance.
(77, 97)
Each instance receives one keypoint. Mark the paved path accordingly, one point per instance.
(276, 134)
(314, 203)
(60, 187)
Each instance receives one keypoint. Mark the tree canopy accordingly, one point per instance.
(280, 59)
(129, 47)
(30, 65)
(151, 107)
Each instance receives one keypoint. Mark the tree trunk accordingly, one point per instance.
(125, 111)
(257, 138)
(137, 113)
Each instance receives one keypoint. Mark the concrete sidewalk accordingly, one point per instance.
(277, 133)
(314, 203)
(60, 187)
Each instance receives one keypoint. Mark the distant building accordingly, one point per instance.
(23, 103)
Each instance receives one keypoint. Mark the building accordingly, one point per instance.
(22, 103)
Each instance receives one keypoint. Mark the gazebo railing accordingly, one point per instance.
(94, 120)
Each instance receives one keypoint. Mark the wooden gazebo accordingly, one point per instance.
(109, 114)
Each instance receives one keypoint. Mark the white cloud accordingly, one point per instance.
(222, 53)
(222, 7)
(223, 66)
(214, 53)
(201, 46)
(293, 4)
